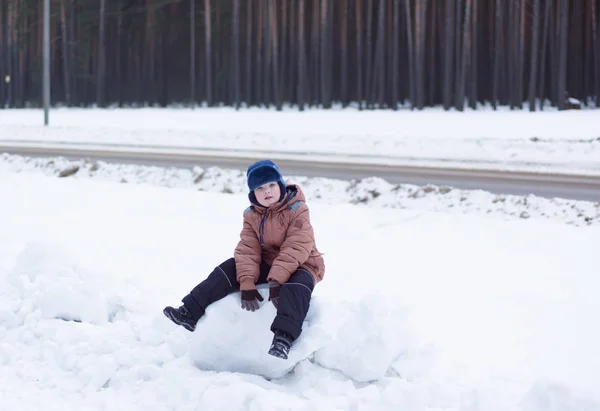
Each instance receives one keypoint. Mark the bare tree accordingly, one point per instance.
(101, 73)
(419, 65)
(499, 55)
(562, 70)
(65, 52)
(465, 56)
(596, 49)
(449, 52)
(208, 52)
(344, 95)
(249, 35)
(275, 58)
(359, 54)
(236, 53)
(302, 56)
(534, 54)
(411, 54)
(193, 52)
(395, 53)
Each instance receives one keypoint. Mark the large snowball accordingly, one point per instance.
(231, 339)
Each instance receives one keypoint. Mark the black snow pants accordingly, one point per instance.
(294, 297)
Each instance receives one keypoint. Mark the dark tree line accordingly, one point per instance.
(374, 53)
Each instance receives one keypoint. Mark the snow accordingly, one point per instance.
(420, 309)
(247, 335)
(370, 192)
(548, 141)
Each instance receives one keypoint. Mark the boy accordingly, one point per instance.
(276, 246)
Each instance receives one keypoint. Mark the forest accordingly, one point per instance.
(369, 54)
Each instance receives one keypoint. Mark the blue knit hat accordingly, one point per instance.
(263, 172)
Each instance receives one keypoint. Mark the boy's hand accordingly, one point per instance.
(274, 288)
(249, 298)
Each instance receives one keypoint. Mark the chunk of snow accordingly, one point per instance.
(375, 333)
(230, 339)
(50, 281)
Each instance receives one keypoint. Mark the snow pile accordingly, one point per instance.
(372, 192)
(60, 288)
(361, 339)
(418, 310)
(374, 335)
(47, 294)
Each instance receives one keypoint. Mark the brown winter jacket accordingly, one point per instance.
(282, 236)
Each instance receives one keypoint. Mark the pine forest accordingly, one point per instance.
(523, 54)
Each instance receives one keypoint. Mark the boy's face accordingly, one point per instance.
(267, 194)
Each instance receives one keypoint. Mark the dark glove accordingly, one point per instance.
(274, 288)
(249, 298)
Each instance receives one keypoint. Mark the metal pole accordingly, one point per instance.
(46, 77)
(193, 52)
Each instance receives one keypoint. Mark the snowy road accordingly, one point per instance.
(548, 185)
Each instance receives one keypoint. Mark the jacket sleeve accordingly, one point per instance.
(296, 247)
(247, 256)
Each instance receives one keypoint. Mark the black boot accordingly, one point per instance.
(181, 316)
(280, 347)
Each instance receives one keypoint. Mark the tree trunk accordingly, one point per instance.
(9, 54)
(193, 53)
(395, 56)
(302, 56)
(249, 36)
(534, 54)
(542, 86)
(474, 56)
(3, 52)
(449, 53)
(411, 58)
(236, 54)
(596, 49)
(267, 54)
(499, 57)
(323, 56)
(101, 68)
(314, 47)
(283, 27)
(208, 52)
(73, 42)
(344, 95)
(465, 56)
(369, 53)
(65, 53)
(562, 56)
(275, 54)
(380, 57)
(419, 64)
(521, 55)
(258, 65)
(359, 55)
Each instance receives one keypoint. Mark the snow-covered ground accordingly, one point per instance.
(548, 141)
(371, 192)
(419, 310)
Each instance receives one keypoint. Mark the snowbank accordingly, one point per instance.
(371, 192)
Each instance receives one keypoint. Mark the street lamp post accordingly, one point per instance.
(46, 75)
